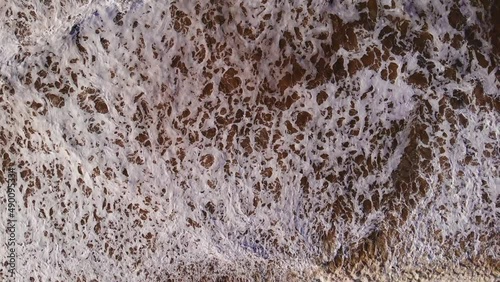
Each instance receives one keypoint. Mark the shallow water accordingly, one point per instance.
(252, 140)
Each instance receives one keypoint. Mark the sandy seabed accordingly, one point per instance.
(250, 140)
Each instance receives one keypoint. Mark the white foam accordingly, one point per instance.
(198, 215)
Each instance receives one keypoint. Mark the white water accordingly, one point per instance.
(211, 219)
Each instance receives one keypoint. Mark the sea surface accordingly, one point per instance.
(256, 140)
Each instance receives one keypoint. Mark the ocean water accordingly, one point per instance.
(251, 140)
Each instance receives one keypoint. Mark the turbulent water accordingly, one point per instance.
(253, 140)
